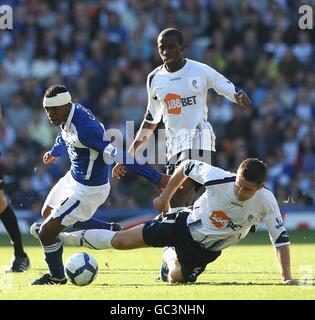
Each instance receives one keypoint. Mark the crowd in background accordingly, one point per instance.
(104, 50)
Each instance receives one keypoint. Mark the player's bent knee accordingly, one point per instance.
(43, 233)
(119, 241)
(46, 233)
(46, 211)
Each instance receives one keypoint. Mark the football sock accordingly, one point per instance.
(9, 221)
(92, 223)
(93, 239)
(169, 254)
(170, 258)
(53, 257)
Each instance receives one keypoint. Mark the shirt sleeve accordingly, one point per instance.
(202, 172)
(59, 148)
(277, 232)
(95, 138)
(220, 84)
(154, 109)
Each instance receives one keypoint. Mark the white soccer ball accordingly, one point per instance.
(81, 269)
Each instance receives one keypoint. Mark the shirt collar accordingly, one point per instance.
(66, 125)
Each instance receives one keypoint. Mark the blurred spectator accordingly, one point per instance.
(103, 50)
(15, 67)
(18, 114)
(43, 66)
(40, 130)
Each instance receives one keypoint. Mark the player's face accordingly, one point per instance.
(170, 51)
(57, 115)
(244, 189)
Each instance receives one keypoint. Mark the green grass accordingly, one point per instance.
(246, 271)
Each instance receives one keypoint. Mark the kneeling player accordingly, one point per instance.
(221, 217)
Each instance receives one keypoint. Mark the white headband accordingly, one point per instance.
(59, 100)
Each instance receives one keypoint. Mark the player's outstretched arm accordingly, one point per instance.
(162, 203)
(143, 135)
(283, 256)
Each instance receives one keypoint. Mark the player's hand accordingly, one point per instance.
(163, 181)
(160, 204)
(48, 158)
(290, 282)
(242, 99)
(119, 171)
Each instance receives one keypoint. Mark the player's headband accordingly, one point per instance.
(59, 100)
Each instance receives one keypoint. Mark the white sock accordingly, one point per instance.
(93, 239)
(169, 254)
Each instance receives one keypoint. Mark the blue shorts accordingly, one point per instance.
(172, 231)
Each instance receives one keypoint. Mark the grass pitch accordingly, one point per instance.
(246, 271)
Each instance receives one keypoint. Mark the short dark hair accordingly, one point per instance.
(253, 170)
(173, 32)
(53, 90)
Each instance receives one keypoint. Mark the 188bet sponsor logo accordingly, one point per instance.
(175, 102)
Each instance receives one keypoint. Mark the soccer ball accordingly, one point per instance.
(81, 269)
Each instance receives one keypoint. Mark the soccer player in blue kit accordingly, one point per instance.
(77, 195)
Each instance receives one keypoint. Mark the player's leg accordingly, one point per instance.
(20, 262)
(99, 239)
(187, 259)
(173, 271)
(80, 205)
(170, 269)
(94, 223)
(61, 193)
(53, 250)
(105, 239)
(185, 195)
(156, 233)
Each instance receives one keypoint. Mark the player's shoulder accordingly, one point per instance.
(212, 175)
(153, 74)
(199, 65)
(83, 117)
(266, 196)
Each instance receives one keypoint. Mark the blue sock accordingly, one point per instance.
(53, 257)
(92, 223)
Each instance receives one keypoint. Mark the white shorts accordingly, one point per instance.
(201, 138)
(72, 201)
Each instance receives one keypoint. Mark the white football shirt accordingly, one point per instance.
(180, 99)
(218, 220)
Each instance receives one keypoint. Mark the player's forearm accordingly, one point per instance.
(283, 256)
(59, 148)
(143, 135)
(177, 179)
(224, 87)
(143, 170)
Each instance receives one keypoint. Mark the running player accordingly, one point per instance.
(77, 195)
(177, 94)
